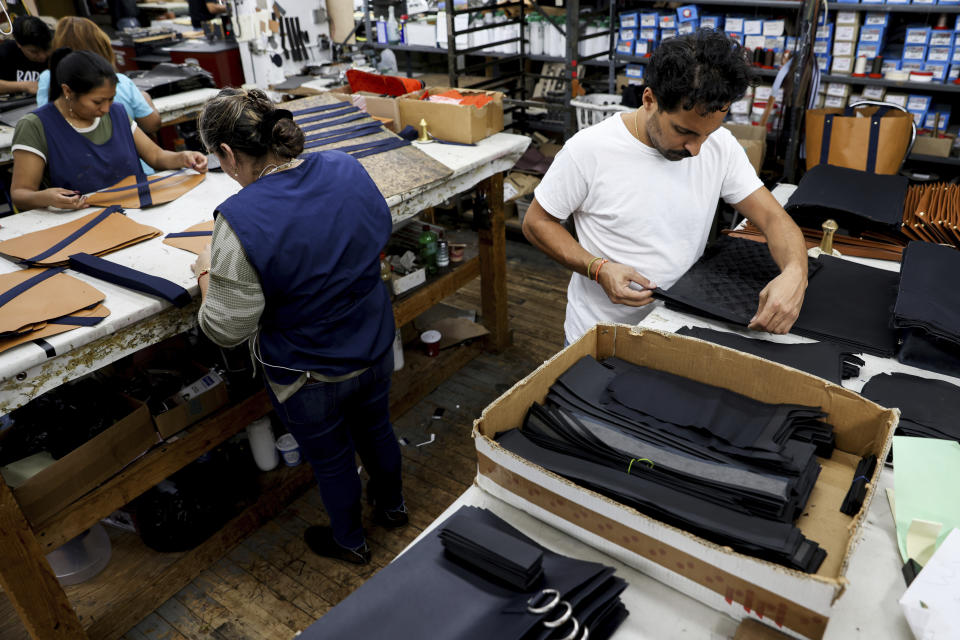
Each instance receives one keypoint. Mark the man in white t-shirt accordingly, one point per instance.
(643, 187)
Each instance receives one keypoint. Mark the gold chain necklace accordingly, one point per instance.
(636, 124)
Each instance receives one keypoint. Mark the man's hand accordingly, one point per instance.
(615, 279)
(780, 302)
(63, 198)
(29, 87)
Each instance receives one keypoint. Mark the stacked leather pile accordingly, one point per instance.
(429, 592)
(927, 310)
(928, 408)
(932, 213)
(868, 245)
(728, 468)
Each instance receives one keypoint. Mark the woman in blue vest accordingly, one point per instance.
(294, 266)
(81, 141)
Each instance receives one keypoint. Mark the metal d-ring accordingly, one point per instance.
(559, 622)
(575, 631)
(547, 607)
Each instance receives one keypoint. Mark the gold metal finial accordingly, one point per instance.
(424, 135)
(826, 243)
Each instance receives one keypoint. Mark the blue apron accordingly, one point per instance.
(74, 162)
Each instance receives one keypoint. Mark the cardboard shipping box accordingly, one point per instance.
(87, 466)
(453, 122)
(930, 146)
(753, 139)
(376, 105)
(742, 586)
(194, 408)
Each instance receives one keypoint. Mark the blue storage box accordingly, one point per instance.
(626, 47)
(940, 54)
(877, 19)
(667, 21)
(915, 52)
(939, 70)
(872, 35)
(711, 22)
(917, 35)
(652, 35)
(733, 24)
(825, 32)
(685, 28)
(688, 13)
(630, 20)
(649, 19)
(666, 34)
(635, 71)
(917, 102)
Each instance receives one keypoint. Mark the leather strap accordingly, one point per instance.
(873, 145)
(78, 321)
(329, 137)
(825, 138)
(387, 145)
(328, 116)
(190, 234)
(333, 123)
(100, 217)
(325, 107)
(27, 284)
(130, 278)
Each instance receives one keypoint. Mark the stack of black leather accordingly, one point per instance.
(431, 593)
(846, 303)
(823, 359)
(719, 464)
(927, 310)
(928, 408)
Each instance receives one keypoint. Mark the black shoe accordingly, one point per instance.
(393, 519)
(321, 542)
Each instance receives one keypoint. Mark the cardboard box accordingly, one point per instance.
(193, 410)
(842, 65)
(402, 284)
(87, 466)
(753, 139)
(374, 104)
(939, 147)
(737, 584)
(453, 122)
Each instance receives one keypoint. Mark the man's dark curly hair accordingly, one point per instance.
(705, 70)
(31, 31)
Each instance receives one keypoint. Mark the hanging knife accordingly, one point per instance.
(292, 36)
(302, 38)
(283, 41)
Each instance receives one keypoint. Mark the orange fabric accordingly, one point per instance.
(381, 85)
(477, 100)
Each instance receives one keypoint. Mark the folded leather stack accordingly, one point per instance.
(858, 201)
(928, 408)
(493, 553)
(927, 310)
(716, 463)
(427, 593)
(822, 359)
(932, 213)
(846, 303)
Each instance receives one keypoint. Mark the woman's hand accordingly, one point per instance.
(63, 198)
(203, 262)
(194, 160)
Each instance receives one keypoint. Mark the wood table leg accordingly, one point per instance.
(29, 582)
(493, 267)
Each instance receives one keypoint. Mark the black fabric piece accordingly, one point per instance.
(822, 359)
(130, 278)
(857, 200)
(492, 552)
(858, 488)
(166, 79)
(332, 123)
(927, 310)
(845, 303)
(910, 570)
(928, 408)
(190, 234)
(426, 594)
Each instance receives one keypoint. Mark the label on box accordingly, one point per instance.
(848, 17)
(752, 27)
(954, 72)
(629, 20)
(918, 117)
(649, 34)
(939, 70)
(838, 89)
(873, 93)
(918, 103)
(628, 34)
(842, 48)
(649, 19)
(825, 32)
(937, 119)
(890, 64)
(941, 38)
(842, 64)
(204, 384)
(668, 21)
(711, 22)
(854, 98)
(642, 48)
(912, 65)
(917, 35)
(634, 71)
(823, 63)
(777, 43)
(754, 42)
(773, 28)
(939, 54)
(834, 102)
(625, 47)
(761, 93)
(685, 28)
(846, 32)
(734, 23)
(821, 47)
(871, 34)
(915, 52)
(666, 34)
(877, 19)
(868, 50)
(899, 99)
(924, 1)
(741, 106)
(955, 58)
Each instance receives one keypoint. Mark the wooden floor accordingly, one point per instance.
(269, 586)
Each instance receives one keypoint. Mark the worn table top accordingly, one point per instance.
(138, 320)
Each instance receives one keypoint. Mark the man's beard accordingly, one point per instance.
(653, 133)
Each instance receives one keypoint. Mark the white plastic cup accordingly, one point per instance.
(289, 449)
(431, 340)
(262, 443)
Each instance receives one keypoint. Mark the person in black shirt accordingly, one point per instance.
(201, 11)
(25, 57)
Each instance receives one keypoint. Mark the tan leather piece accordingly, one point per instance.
(45, 331)
(164, 190)
(59, 295)
(193, 245)
(115, 232)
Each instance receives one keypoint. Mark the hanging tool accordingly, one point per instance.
(302, 38)
(283, 37)
(7, 18)
(292, 37)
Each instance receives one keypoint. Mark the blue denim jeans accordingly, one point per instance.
(333, 422)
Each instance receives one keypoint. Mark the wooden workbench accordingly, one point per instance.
(138, 321)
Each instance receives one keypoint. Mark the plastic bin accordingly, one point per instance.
(594, 107)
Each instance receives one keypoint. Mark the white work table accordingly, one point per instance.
(137, 320)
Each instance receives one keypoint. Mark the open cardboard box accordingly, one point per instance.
(742, 586)
(453, 122)
(87, 466)
(193, 410)
(374, 104)
(753, 139)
